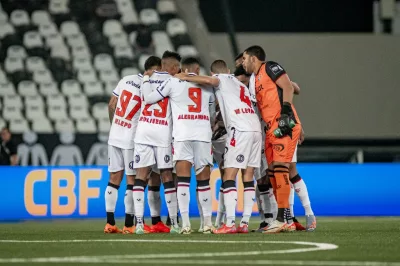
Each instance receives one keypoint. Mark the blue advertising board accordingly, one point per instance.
(78, 192)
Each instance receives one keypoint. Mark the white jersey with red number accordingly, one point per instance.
(235, 104)
(126, 116)
(190, 109)
(155, 121)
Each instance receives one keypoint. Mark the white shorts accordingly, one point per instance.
(243, 150)
(199, 153)
(262, 171)
(294, 158)
(218, 147)
(147, 155)
(120, 159)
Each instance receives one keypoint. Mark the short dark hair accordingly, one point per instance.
(169, 54)
(190, 61)
(152, 61)
(256, 51)
(239, 56)
(218, 65)
(240, 71)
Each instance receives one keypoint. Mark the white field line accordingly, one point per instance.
(132, 258)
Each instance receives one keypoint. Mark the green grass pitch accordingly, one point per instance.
(337, 241)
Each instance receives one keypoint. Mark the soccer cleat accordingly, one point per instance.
(260, 228)
(226, 229)
(290, 227)
(139, 230)
(175, 230)
(159, 227)
(186, 230)
(275, 227)
(201, 229)
(243, 229)
(147, 229)
(111, 229)
(208, 229)
(299, 226)
(311, 223)
(128, 230)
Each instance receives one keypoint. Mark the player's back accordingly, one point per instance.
(235, 104)
(190, 110)
(155, 121)
(126, 116)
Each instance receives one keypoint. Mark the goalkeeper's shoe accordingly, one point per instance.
(226, 229)
(275, 227)
(243, 229)
(159, 227)
(140, 229)
(299, 226)
(111, 229)
(311, 223)
(186, 230)
(128, 230)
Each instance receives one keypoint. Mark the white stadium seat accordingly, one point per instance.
(87, 75)
(103, 125)
(129, 71)
(162, 42)
(129, 17)
(132, 38)
(34, 101)
(48, 29)
(78, 101)
(108, 75)
(6, 29)
(16, 51)
(166, 7)
(34, 63)
(11, 112)
(70, 87)
(7, 89)
(111, 27)
(34, 113)
(32, 39)
(124, 6)
(82, 63)
(110, 86)
(56, 113)
(42, 76)
(3, 17)
(42, 125)
(40, 17)
(76, 40)
(123, 51)
(142, 60)
(58, 7)
(187, 51)
(3, 77)
(56, 100)
(93, 88)
(149, 16)
(69, 28)
(49, 88)
(86, 125)
(100, 110)
(12, 101)
(103, 62)
(81, 52)
(60, 51)
(79, 112)
(19, 18)
(64, 125)
(54, 40)
(13, 64)
(118, 39)
(175, 27)
(2, 123)
(27, 88)
(19, 126)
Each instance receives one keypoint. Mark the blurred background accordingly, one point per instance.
(61, 59)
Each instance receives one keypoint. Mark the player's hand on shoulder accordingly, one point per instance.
(148, 72)
(181, 76)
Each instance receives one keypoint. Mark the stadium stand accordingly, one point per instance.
(61, 59)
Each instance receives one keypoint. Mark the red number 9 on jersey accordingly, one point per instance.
(195, 96)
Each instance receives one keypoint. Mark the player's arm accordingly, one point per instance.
(158, 94)
(112, 104)
(296, 88)
(203, 80)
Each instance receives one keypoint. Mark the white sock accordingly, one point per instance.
(273, 203)
(138, 199)
(128, 202)
(221, 208)
(301, 190)
(183, 193)
(111, 197)
(172, 201)
(291, 200)
(205, 199)
(265, 203)
(248, 201)
(200, 209)
(153, 197)
(230, 199)
(259, 206)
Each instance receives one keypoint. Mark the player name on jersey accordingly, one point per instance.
(193, 117)
(244, 111)
(154, 121)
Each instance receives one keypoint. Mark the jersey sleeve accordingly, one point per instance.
(165, 88)
(157, 95)
(274, 70)
(117, 91)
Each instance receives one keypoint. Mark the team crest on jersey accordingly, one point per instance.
(131, 165)
(240, 158)
(137, 158)
(167, 158)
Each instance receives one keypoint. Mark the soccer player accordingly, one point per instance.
(124, 107)
(274, 93)
(191, 113)
(153, 144)
(242, 148)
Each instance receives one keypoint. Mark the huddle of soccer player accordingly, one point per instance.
(165, 122)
